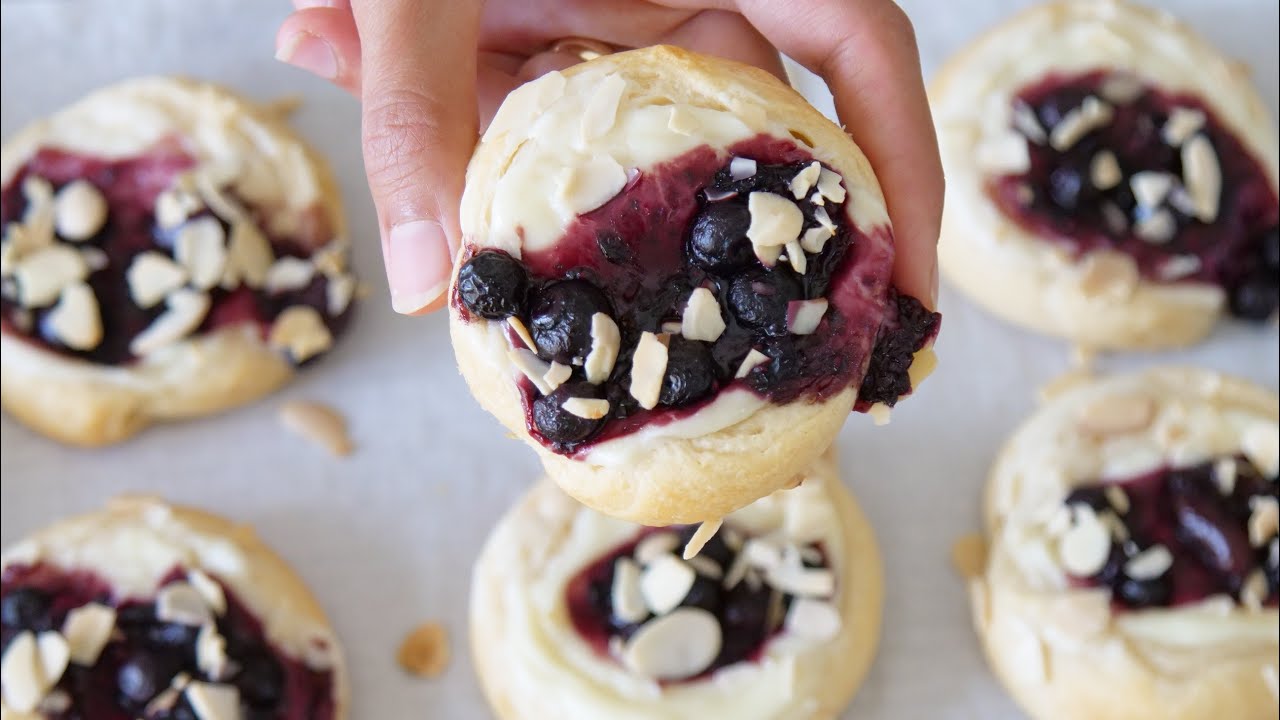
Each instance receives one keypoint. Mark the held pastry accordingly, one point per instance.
(1132, 562)
(674, 283)
(151, 611)
(575, 614)
(169, 250)
(1111, 178)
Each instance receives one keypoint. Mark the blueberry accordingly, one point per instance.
(1112, 570)
(560, 426)
(718, 239)
(1094, 497)
(705, 593)
(1257, 296)
(560, 319)
(1065, 187)
(492, 285)
(746, 608)
(261, 680)
(145, 675)
(691, 372)
(759, 300)
(1206, 526)
(1271, 249)
(171, 635)
(27, 609)
(1145, 593)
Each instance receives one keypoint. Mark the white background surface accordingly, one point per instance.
(386, 538)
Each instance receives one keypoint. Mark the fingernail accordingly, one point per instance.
(418, 265)
(311, 53)
(304, 4)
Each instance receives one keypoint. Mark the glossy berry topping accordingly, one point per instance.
(759, 300)
(690, 374)
(560, 319)
(492, 285)
(718, 238)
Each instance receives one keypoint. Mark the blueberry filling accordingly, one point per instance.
(1114, 164)
(134, 674)
(131, 229)
(729, 582)
(673, 259)
(1180, 535)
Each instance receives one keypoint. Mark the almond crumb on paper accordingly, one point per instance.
(318, 423)
(969, 555)
(425, 651)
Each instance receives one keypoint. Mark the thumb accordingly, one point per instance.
(419, 127)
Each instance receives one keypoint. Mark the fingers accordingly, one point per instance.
(730, 36)
(419, 127)
(866, 52)
(324, 42)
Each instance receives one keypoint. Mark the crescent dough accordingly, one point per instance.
(134, 542)
(83, 403)
(739, 447)
(1019, 276)
(1062, 653)
(533, 665)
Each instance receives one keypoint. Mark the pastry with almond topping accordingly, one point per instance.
(1111, 178)
(577, 615)
(152, 611)
(674, 283)
(1133, 563)
(169, 250)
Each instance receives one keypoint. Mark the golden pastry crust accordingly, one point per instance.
(693, 469)
(135, 541)
(1036, 284)
(81, 403)
(531, 662)
(1062, 653)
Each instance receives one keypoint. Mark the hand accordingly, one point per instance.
(430, 73)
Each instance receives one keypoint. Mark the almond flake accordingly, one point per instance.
(1261, 445)
(518, 327)
(702, 319)
(1181, 125)
(741, 168)
(754, 359)
(585, 187)
(209, 589)
(288, 274)
(218, 201)
(1104, 170)
(1117, 498)
(761, 553)
(824, 220)
(200, 247)
(800, 581)
(213, 701)
(795, 256)
(1179, 267)
(815, 239)
(706, 530)
(1108, 274)
(706, 567)
(665, 583)
(1117, 414)
(185, 310)
(43, 274)
(38, 220)
(557, 375)
(1078, 122)
(805, 180)
(1117, 222)
(249, 257)
(87, 629)
(601, 111)
(1224, 475)
(1122, 88)
(682, 121)
(94, 258)
(1254, 591)
(54, 654)
(817, 199)
(211, 651)
(79, 211)
(1026, 122)
(656, 545)
(301, 332)
(152, 276)
(76, 320)
(648, 368)
(804, 316)
(182, 604)
(1085, 546)
(767, 255)
(606, 341)
(1150, 188)
(829, 184)
(736, 572)
(816, 620)
(174, 206)
(1202, 175)
(1149, 564)
(672, 647)
(21, 675)
(1119, 531)
(338, 294)
(1005, 153)
(56, 702)
(316, 422)
(1158, 227)
(587, 408)
(775, 220)
(1264, 519)
(533, 367)
(628, 602)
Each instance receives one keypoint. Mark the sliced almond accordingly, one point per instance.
(1150, 188)
(754, 359)
(1179, 267)
(182, 604)
(682, 121)
(601, 111)
(1225, 472)
(1157, 227)
(1104, 170)
(805, 180)
(318, 423)
(200, 247)
(1150, 563)
(1117, 222)
(1264, 519)
(185, 310)
(249, 257)
(94, 258)
(21, 674)
(775, 220)
(1006, 153)
(587, 408)
(1117, 498)
(741, 168)
(656, 545)
(795, 256)
(606, 342)
(1108, 274)
(1255, 590)
(1202, 175)
(767, 255)
(211, 652)
(816, 620)
(679, 645)
(1078, 122)
(42, 274)
(829, 185)
(301, 332)
(79, 210)
(213, 701)
(627, 600)
(1025, 121)
(800, 581)
(87, 629)
(557, 375)
(702, 319)
(1181, 125)
(585, 187)
(339, 292)
(208, 185)
(55, 655)
(1117, 414)
(824, 220)
(1261, 444)
(76, 320)
(1084, 547)
(762, 553)
(288, 274)
(665, 582)
(532, 367)
(804, 316)
(38, 219)
(518, 327)
(209, 589)
(815, 239)
(648, 369)
(706, 530)
(174, 206)
(706, 567)
(152, 276)
(1122, 88)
